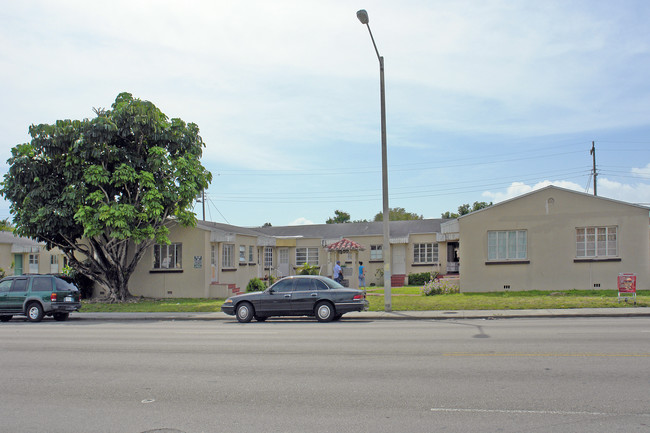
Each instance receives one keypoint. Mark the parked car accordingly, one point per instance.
(301, 295)
(36, 296)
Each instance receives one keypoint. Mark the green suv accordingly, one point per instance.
(36, 296)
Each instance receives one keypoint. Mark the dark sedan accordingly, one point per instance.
(301, 295)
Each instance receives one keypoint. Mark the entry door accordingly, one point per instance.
(18, 264)
(398, 259)
(283, 262)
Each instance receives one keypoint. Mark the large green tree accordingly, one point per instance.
(104, 190)
(398, 214)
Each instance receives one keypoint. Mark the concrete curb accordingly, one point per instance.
(395, 315)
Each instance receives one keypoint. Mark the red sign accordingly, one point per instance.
(626, 283)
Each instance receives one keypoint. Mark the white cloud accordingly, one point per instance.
(301, 222)
(639, 193)
(642, 172)
(519, 188)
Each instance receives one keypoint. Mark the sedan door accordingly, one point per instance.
(277, 300)
(305, 295)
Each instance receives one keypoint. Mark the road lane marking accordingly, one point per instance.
(603, 355)
(525, 412)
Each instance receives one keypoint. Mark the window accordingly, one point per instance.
(268, 257)
(425, 253)
(283, 286)
(306, 255)
(42, 284)
(33, 263)
(227, 258)
(596, 241)
(304, 285)
(242, 254)
(376, 252)
(168, 256)
(54, 264)
(213, 255)
(250, 254)
(507, 245)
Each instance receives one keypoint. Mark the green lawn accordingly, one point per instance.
(409, 299)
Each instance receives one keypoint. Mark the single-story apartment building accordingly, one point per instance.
(548, 239)
(553, 239)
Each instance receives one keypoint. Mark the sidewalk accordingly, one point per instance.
(395, 315)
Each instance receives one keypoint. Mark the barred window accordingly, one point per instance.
(268, 257)
(228, 256)
(507, 245)
(306, 255)
(425, 253)
(597, 241)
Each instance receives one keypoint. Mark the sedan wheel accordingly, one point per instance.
(244, 312)
(34, 312)
(324, 312)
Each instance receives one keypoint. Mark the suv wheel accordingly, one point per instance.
(34, 312)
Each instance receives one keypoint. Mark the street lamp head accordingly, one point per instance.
(363, 16)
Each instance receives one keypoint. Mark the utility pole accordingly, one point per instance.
(593, 153)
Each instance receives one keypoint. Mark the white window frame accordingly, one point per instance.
(251, 256)
(595, 242)
(242, 254)
(507, 245)
(54, 264)
(307, 255)
(268, 257)
(228, 256)
(33, 263)
(426, 252)
(376, 252)
(168, 256)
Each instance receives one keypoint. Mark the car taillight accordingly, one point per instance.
(358, 297)
(53, 297)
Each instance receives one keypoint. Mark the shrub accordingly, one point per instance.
(255, 285)
(308, 269)
(437, 286)
(421, 278)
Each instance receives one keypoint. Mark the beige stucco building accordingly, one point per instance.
(554, 239)
(214, 260)
(19, 255)
(549, 239)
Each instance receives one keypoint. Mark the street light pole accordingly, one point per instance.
(362, 15)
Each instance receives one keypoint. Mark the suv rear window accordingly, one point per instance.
(42, 284)
(64, 285)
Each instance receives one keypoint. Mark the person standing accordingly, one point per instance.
(338, 273)
(362, 275)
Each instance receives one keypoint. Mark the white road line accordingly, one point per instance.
(518, 411)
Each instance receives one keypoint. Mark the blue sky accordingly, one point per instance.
(486, 100)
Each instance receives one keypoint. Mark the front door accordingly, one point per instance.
(398, 259)
(283, 262)
(18, 264)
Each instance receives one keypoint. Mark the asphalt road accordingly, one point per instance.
(514, 375)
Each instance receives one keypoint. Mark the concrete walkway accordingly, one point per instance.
(395, 315)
